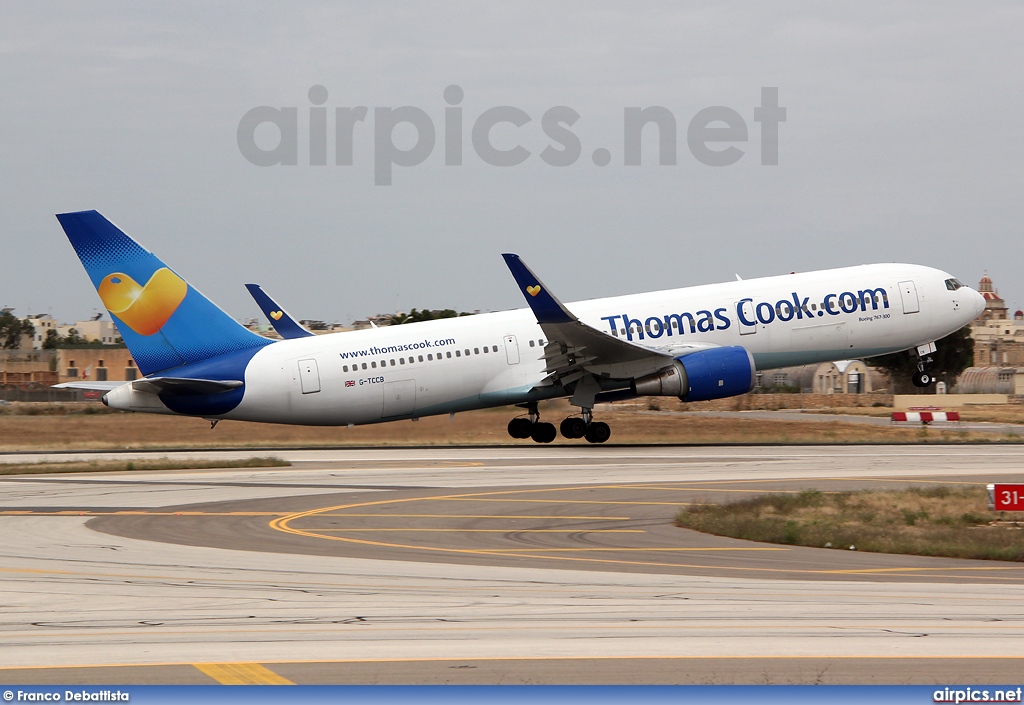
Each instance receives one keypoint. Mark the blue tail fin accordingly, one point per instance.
(164, 321)
(286, 326)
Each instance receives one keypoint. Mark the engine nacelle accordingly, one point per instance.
(716, 373)
(668, 382)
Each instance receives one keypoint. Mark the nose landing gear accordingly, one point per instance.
(922, 378)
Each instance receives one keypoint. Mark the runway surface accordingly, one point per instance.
(508, 564)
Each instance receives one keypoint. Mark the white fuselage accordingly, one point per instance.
(457, 364)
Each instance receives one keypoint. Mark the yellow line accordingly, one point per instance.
(241, 674)
(283, 524)
(630, 550)
(476, 516)
(87, 512)
(470, 498)
(418, 530)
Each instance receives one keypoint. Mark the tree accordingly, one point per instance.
(954, 354)
(416, 316)
(73, 338)
(52, 340)
(12, 329)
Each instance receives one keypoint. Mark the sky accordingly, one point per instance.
(902, 142)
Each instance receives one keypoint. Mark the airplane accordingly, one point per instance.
(695, 343)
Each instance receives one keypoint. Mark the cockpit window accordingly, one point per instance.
(954, 284)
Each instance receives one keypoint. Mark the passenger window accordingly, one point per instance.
(448, 355)
(421, 358)
(345, 368)
(486, 350)
(532, 344)
(401, 360)
(430, 356)
(364, 365)
(373, 365)
(494, 348)
(476, 351)
(458, 354)
(467, 352)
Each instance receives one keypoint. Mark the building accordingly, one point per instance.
(842, 377)
(991, 380)
(95, 364)
(43, 323)
(998, 339)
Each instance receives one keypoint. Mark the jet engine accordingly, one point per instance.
(714, 373)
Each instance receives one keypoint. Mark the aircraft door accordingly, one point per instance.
(745, 311)
(309, 376)
(399, 398)
(512, 349)
(908, 292)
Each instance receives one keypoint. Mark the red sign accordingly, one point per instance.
(1009, 498)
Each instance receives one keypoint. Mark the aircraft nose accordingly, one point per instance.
(979, 303)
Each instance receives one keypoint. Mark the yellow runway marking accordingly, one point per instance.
(475, 516)
(132, 512)
(498, 531)
(631, 550)
(470, 498)
(241, 674)
(283, 524)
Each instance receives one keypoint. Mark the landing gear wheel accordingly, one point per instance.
(573, 427)
(922, 379)
(543, 432)
(520, 427)
(598, 432)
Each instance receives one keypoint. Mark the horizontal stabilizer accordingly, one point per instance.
(184, 385)
(89, 386)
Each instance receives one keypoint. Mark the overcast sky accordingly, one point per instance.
(902, 142)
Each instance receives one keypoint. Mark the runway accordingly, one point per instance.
(508, 564)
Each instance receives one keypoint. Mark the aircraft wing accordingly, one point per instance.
(576, 350)
(286, 326)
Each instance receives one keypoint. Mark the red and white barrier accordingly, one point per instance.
(924, 416)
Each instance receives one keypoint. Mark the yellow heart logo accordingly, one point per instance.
(276, 315)
(533, 290)
(144, 309)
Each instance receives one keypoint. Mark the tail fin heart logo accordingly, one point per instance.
(276, 315)
(533, 290)
(144, 309)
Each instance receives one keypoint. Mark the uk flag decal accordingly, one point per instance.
(350, 383)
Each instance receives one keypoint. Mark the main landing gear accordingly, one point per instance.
(572, 427)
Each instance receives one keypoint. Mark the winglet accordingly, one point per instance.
(546, 307)
(286, 326)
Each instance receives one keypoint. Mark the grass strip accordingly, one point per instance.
(130, 465)
(947, 521)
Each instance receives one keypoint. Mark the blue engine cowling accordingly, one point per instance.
(717, 373)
